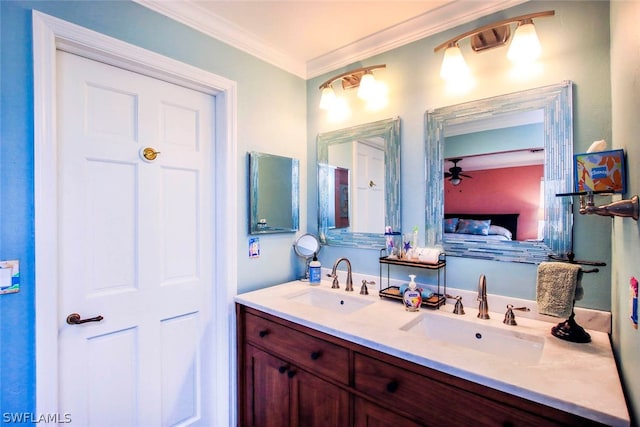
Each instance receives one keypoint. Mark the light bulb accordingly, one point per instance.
(328, 98)
(525, 46)
(368, 87)
(454, 66)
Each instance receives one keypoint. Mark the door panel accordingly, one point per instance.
(109, 225)
(180, 368)
(369, 188)
(181, 188)
(114, 377)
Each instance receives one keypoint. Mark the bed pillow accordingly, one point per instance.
(474, 226)
(450, 225)
(501, 231)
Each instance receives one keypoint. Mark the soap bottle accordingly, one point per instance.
(412, 297)
(314, 270)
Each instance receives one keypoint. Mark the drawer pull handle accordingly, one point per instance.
(263, 333)
(282, 369)
(392, 386)
(291, 373)
(315, 355)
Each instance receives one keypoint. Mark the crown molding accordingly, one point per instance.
(200, 19)
(451, 15)
(456, 13)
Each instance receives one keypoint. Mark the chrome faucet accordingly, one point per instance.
(334, 274)
(483, 307)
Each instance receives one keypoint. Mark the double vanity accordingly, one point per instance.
(329, 357)
(317, 356)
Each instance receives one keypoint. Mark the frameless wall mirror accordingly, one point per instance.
(274, 185)
(359, 184)
(530, 122)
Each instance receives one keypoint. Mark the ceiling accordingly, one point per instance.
(312, 37)
(507, 159)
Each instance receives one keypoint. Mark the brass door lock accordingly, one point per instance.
(149, 154)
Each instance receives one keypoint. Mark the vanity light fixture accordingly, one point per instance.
(369, 89)
(524, 48)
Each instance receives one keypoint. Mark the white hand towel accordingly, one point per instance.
(558, 285)
(428, 255)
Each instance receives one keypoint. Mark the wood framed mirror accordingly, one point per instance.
(274, 187)
(359, 184)
(555, 104)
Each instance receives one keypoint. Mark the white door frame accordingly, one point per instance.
(51, 34)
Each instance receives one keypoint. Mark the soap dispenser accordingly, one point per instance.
(412, 297)
(314, 270)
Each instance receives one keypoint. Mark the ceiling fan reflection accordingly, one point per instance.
(455, 173)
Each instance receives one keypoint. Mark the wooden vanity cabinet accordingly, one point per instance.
(288, 378)
(291, 375)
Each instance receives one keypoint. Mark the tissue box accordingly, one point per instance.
(603, 171)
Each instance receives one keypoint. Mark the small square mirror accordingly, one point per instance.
(274, 185)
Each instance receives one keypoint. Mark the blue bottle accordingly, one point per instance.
(314, 271)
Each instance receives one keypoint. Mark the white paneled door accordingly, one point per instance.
(369, 211)
(135, 246)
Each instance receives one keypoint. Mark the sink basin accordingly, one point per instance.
(512, 345)
(335, 301)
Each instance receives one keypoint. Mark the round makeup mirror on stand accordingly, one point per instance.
(305, 247)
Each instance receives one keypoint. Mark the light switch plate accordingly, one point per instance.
(9, 277)
(254, 247)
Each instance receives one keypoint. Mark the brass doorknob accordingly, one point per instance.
(149, 153)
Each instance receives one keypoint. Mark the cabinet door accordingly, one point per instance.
(317, 403)
(370, 415)
(266, 390)
(278, 394)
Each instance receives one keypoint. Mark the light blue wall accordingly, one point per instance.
(271, 118)
(282, 118)
(625, 93)
(575, 47)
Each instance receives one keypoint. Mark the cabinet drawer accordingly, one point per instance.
(402, 390)
(314, 354)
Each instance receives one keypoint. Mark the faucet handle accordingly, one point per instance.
(458, 308)
(509, 317)
(335, 284)
(363, 289)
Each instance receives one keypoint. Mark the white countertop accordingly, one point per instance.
(576, 378)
